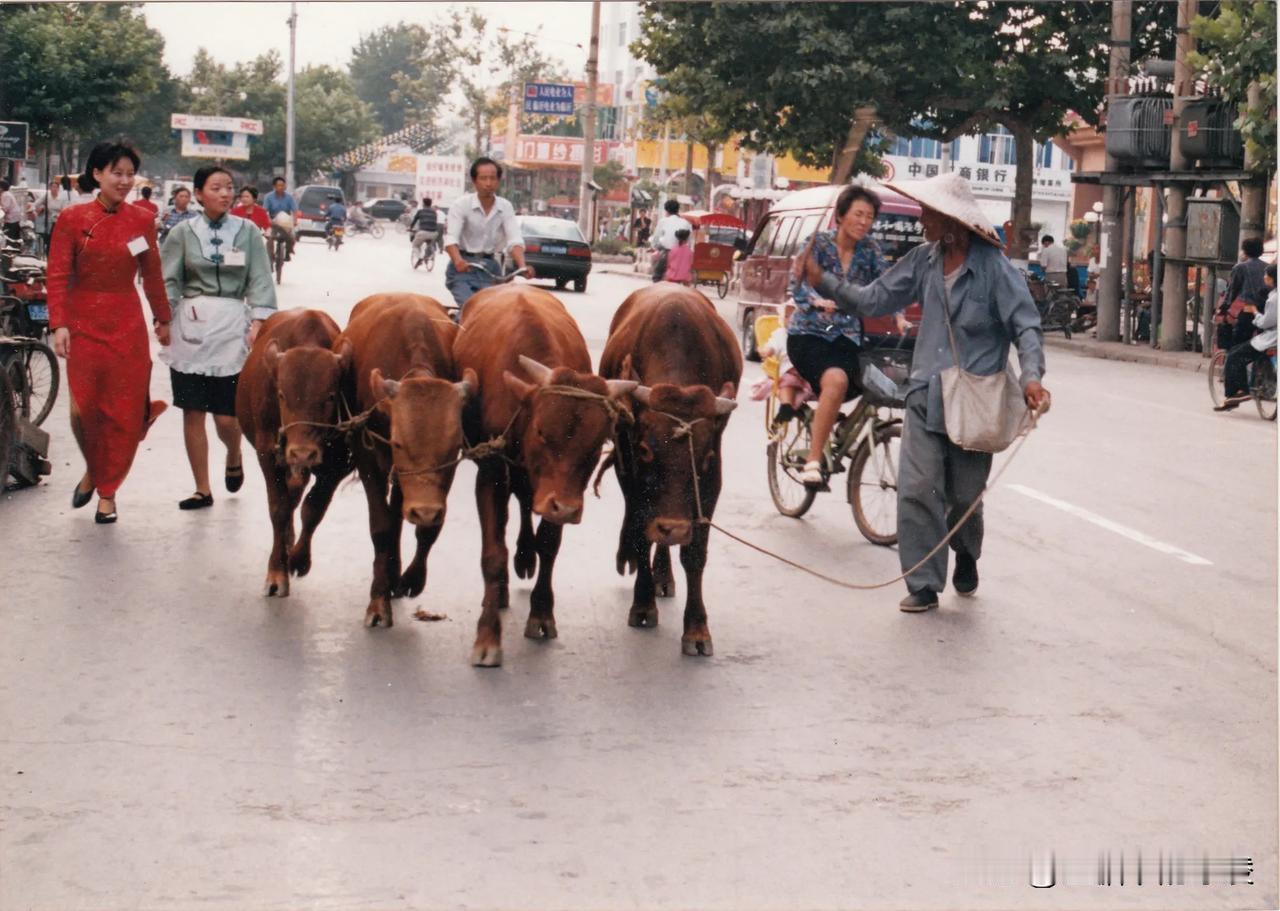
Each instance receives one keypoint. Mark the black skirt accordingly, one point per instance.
(212, 394)
(813, 356)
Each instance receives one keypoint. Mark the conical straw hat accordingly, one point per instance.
(950, 194)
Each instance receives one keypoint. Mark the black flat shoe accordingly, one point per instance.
(196, 501)
(80, 498)
(918, 601)
(234, 477)
(105, 518)
(965, 578)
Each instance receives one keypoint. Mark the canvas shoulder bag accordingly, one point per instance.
(982, 413)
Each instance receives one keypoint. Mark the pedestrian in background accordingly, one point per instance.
(179, 212)
(145, 203)
(97, 324)
(50, 208)
(664, 236)
(248, 208)
(960, 270)
(10, 211)
(1053, 260)
(218, 279)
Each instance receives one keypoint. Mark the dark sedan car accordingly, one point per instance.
(385, 207)
(556, 249)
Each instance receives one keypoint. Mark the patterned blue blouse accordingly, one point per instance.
(865, 267)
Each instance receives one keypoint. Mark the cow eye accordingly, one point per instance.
(645, 452)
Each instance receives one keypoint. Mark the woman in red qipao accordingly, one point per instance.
(94, 312)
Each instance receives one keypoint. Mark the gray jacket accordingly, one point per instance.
(990, 308)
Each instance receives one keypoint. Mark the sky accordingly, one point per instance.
(238, 32)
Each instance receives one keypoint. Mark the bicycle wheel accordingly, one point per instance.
(33, 373)
(280, 252)
(1217, 391)
(873, 485)
(376, 230)
(414, 259)
(8, 427)
(430, 261)
(1263, 388)
(786, 460)
(722, 286)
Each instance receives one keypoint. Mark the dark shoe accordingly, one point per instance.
(234, 477)
(965, 578)
(918, 601)
(81, 498)
(1232, 403)
(196, 501)
(105, 518)
(784, 413)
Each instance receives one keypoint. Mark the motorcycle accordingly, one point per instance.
(372, 228)
(333, 236)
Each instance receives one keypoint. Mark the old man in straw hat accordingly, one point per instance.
(990, 307)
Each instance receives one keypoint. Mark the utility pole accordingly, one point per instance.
(288, 129)
(1173, 311)
(589, 128)
(1253, 192)
(1112, 196)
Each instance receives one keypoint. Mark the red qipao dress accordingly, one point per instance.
(94, 255)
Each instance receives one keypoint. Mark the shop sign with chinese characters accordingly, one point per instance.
(986, 179)
(442, 177)
(560, 150)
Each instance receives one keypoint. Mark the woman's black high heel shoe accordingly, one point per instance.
(81, 498)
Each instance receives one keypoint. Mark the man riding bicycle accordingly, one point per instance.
(276, 202)
(481, 225)
(425, 231)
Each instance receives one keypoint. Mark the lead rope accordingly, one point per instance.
(685, 428)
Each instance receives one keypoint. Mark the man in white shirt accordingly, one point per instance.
(480, 225)
(1053, 260)
(664, 236)
(12, 211)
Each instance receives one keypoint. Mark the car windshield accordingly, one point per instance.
(558, 228)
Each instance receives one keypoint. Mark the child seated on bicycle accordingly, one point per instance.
(793, 390)
(680, 261)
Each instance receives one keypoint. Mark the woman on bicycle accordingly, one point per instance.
(1235, 372)
(218, 279)
(822, 343)
(96, 249)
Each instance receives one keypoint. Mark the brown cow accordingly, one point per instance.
(672, 340)
(403, 374)
(553, 424)
(287, 396)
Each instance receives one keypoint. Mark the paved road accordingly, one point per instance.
(171, 740)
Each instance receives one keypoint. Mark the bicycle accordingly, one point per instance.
(870, 435)
(279, 251)
(426, 256)
(1262, 382)
(1057, 305)
(31, 369)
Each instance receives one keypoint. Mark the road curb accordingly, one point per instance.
(1131, 354)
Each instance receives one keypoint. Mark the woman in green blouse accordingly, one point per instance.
(218, 280)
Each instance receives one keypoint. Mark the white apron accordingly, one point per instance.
(208, 336)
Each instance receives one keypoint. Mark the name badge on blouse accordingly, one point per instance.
(138, 246)
(233, 258)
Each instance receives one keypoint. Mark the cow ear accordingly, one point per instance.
(468, 386)
(271, 355)
(641, 394)
(519, 388)
(724, 406)
(620, 387)
(541, 373)
(346, 353)
(382, 387)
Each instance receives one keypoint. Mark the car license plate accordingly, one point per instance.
(38, 312)
(554, 248)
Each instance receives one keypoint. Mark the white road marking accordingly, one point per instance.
(1103, 522)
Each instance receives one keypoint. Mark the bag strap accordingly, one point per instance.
(946, 314)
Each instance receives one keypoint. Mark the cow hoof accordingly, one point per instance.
(486, 656)
(540, 628)
(697, 647)
(300, 561)
(378, 613)
(526, 562)
(627, 563)
(276, 586)
(412, 581)
(643, 617)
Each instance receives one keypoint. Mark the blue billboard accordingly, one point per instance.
(549, 98)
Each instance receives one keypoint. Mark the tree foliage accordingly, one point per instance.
(1237, 47)
(404, 72)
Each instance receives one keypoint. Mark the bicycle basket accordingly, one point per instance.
(879, 390)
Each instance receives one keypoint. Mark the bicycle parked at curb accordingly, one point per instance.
(868, 438)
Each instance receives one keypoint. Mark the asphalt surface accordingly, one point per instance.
(169, 739)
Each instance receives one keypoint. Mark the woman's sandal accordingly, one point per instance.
(197, 501)
(81, 498)
(106, 518)
(234, 477)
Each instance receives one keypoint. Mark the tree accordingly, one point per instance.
(329, 118)
(609, 176)
(404, 73)
(69, 68)
(1237, 49)
(793, 78)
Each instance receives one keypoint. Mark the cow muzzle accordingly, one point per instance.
(556, 509)
(424, 515)
(302, 455)
(670, 531)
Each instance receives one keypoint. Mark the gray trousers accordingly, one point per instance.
(937, 481)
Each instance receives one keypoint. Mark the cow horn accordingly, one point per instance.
(620, 387)
(641, 393)
(467, 385)
(271, 354)
(346, 352)
(382, 387)
(541, 373)
(724, 406)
